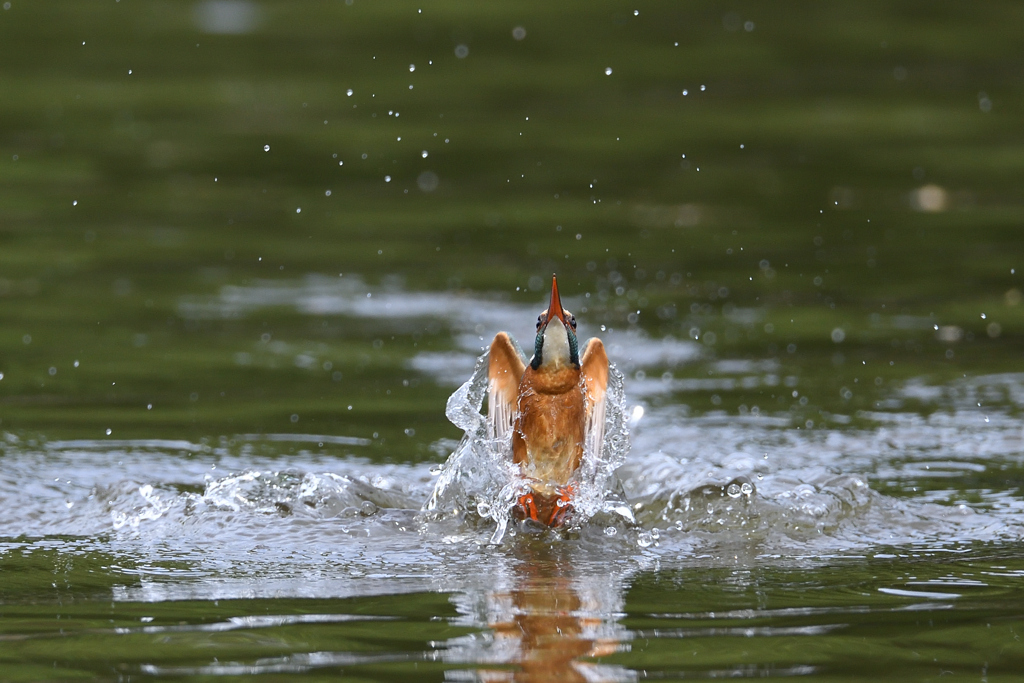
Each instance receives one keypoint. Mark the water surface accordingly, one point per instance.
(249, 249)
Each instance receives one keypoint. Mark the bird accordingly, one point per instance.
(554, 406)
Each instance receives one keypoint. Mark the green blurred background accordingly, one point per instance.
(821, 183)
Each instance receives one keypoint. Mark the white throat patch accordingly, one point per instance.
(555, 352)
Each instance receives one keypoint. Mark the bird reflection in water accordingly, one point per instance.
(545, 622)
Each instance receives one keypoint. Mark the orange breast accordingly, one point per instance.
(548, 432)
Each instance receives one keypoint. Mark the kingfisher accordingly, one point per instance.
(554, 406)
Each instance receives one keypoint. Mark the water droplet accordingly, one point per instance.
(746, 489)
(733, 491)
(424, 154)
(367, 508)
(298, 210)
(610, 531)
(349, 92)
(109, 432)
(483, 509)
(266, 148)
(387, 179)
(608, 71)
(412, 67)
(644, 539)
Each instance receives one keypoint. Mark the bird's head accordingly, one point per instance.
(556, 345)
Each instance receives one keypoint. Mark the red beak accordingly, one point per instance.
(555, 307)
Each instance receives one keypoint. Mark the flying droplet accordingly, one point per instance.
(608, 71)
(266, 148)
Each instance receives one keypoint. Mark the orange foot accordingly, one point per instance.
(556, 507)
(563, 505)
(526, 508)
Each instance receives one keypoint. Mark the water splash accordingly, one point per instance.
(703, 490)
(479, 478)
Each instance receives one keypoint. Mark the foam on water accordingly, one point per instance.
(699, 488)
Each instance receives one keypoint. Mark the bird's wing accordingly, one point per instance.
(505, 368)
(595, 377)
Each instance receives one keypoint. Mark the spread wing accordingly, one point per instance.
(505, 368)
(594, 366)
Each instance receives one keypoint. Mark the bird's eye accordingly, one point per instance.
(572, 321)
(540, 321)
